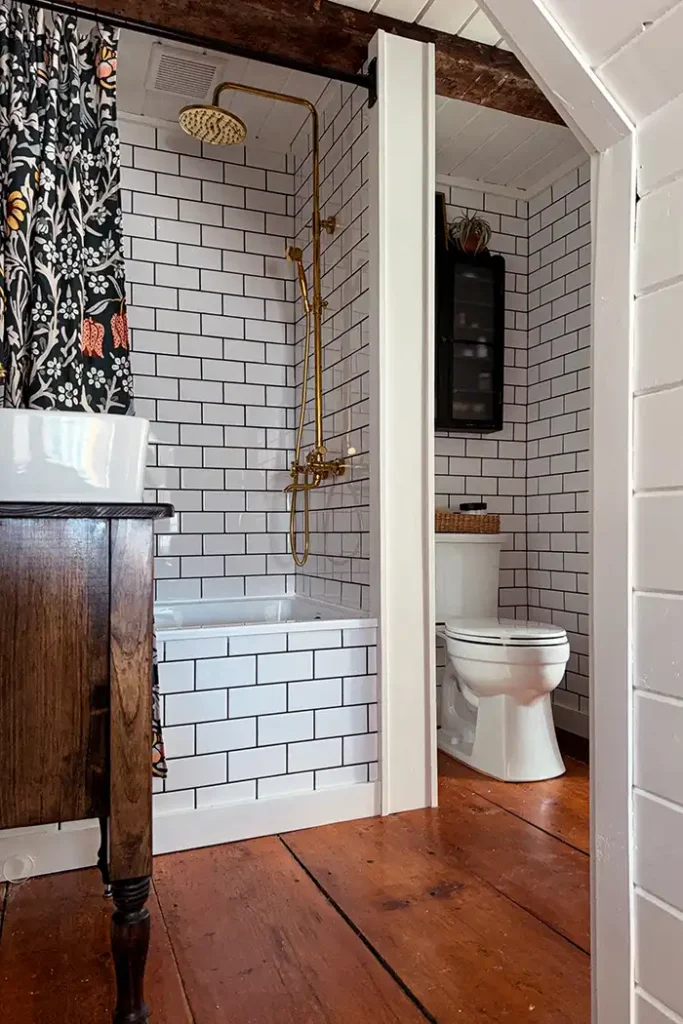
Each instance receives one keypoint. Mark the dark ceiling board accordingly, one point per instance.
(333, 39)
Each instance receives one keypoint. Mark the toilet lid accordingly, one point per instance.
(499, 632)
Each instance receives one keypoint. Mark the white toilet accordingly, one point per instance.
(495, 696)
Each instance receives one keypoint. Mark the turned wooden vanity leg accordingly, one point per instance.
(103, 856)
(129, 943)
(130, 752)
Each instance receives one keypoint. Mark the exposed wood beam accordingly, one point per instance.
(335, 39)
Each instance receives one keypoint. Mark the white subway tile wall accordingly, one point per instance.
(492, 467)
(205, 240)
(558, 421)
(338, 567)
(271, 722)
(535, 472)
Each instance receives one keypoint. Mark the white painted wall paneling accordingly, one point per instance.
(600, 30)
(658, 579)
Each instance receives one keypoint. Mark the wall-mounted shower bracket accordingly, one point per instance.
(329, 224)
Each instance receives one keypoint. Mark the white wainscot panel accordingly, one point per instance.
(659, 948)
(658, 745)
(658, 352)
(658, 648)
(659, 236)
(659, 841)
(658, 429)
(660, 146)
(658, 548)
(647, 1013)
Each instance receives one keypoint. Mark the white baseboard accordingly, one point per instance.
(75, 845)
(571, 720)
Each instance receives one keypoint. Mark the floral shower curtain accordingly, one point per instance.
(63, 325)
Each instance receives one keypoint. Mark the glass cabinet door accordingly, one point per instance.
(470, 343)
(473, 328)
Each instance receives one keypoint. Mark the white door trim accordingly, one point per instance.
(403, 182)
(613, 218)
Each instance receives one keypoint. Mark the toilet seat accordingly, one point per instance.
(504, 633)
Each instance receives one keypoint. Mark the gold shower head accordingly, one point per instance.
(210, 123)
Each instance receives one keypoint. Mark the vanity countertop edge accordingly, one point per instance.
(82, 510)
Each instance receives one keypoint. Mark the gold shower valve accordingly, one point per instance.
(321, 467)
(317, 467)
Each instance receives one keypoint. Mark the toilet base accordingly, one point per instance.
(512, 742)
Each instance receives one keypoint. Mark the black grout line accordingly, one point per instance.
(360, 934)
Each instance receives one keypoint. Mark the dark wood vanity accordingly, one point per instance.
(76, 595)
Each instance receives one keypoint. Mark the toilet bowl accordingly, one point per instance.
(496, 712)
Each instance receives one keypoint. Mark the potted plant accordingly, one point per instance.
(470, 233)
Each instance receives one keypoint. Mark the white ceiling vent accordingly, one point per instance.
(181, 72)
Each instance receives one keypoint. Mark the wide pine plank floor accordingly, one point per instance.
(477, 912)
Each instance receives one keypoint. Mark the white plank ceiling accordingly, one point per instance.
(459, 17)
(473, 142)
(272, 125)
(491, 146)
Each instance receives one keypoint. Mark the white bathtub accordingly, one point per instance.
(189, 619)
(264, 700)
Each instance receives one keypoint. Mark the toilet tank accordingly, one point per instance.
(467, 568)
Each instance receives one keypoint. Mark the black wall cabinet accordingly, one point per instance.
(470, 339)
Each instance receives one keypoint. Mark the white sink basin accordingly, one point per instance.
(71, 456)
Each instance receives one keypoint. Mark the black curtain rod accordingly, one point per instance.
(367, 81)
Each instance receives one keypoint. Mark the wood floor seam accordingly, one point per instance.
(520, 817)
(4, 897)
(175, 957)
(363, 938)
(546, 924)
(472, 869)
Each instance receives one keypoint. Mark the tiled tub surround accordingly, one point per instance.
(257, 710)
(338, 567)
(536, 471)
(205, 236)
(270, 711)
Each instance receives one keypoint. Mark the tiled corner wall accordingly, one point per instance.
(558, 484)
(205, 240)
(536, 471)
(492, 467)
(260, 715)
(338, 567)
